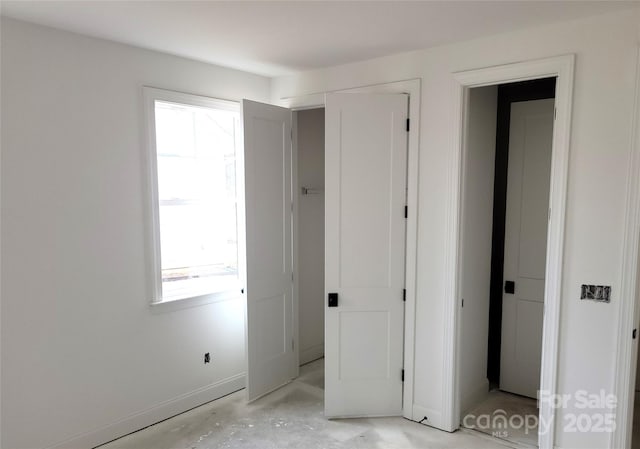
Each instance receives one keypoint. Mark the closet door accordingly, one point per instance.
(365, 226)
(525, 251)
(271, 361)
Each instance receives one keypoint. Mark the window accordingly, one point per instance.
(193, 145)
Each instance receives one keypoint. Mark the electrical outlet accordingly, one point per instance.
(207, 357)
(600, 293)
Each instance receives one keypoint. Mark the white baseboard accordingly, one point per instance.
(312, 353)
(152, 415)
(434, 417)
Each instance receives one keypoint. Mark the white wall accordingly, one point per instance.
(83, 354)
(476, 230)
(605, 47)
(310, 131)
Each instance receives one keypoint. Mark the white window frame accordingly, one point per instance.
(151, 95)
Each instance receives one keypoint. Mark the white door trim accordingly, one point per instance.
(413, 88)
(561, 67)
(295, 197)
(629, 313)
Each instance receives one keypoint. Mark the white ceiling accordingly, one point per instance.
(282, 37)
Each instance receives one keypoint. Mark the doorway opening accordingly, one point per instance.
(503, 242)
(365, 202)
(309, 196)
(370, 158)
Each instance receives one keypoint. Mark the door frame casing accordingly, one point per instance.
(629, 312)
(411, 87)
(561, 67)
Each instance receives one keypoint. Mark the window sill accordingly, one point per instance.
(172, 304)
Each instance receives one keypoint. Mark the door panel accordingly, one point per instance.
(364, 333)
(268, 194)
(365, 196)
(530, 142)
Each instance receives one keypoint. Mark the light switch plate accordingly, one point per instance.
(599, 293)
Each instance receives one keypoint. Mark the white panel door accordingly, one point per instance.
(365, 226)
(268, 194)
(530, 142)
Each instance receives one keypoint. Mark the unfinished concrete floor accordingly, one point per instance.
(291, 417)
(510, 417)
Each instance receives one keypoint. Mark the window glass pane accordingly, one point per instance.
(197, 195)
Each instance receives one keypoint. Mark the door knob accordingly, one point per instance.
(510, 287)
(333, 300)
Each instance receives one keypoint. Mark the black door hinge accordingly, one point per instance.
(402, 375)
(404, 294)
(406, 211)
(634, 333)
(407, 125)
